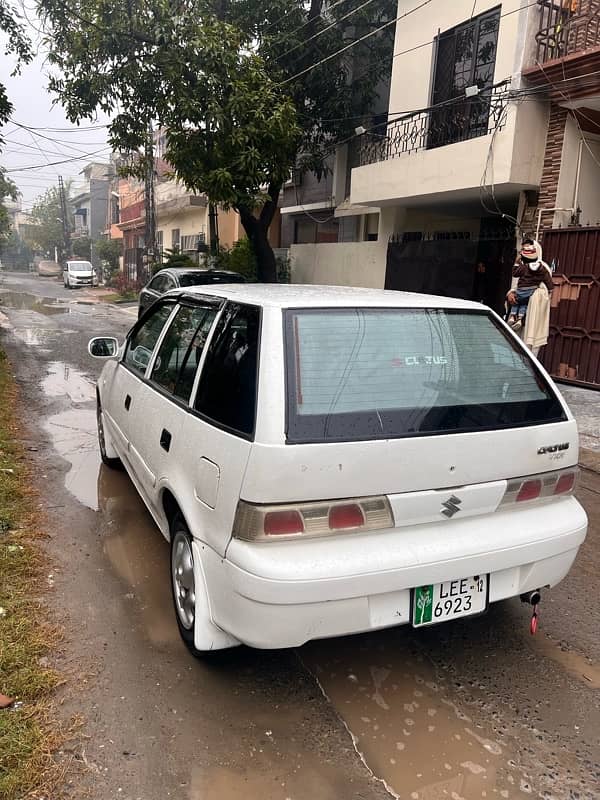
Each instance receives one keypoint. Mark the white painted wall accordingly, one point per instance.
(457, 168)
(412, 71)
(339, 264)
(588, 195)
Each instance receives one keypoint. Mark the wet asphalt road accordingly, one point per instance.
(473, 709)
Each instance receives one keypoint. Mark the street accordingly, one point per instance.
(473, 709)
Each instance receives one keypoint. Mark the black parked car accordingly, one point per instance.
(174, 278)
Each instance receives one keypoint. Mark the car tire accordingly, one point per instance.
(190, 600)
(113, 463)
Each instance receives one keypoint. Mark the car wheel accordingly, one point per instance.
(113, 463)
(190, 597)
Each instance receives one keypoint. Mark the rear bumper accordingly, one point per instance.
(282, 595)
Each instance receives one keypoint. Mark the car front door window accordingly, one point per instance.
(143, 340)
(178, 357)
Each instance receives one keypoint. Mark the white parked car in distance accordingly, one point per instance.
(329, 460)
(79, 273)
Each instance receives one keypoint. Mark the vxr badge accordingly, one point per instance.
(451, 506)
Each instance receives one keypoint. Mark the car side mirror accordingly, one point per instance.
(103, 347)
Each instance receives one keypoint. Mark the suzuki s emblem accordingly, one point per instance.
(451, 506)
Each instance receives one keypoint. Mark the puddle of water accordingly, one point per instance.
(73, 434)
(138, 554)
(407, 726)
(262, 779)
(575, 664)
(64, 380)
(30, 302)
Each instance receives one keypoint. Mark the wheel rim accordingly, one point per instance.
(184, 588)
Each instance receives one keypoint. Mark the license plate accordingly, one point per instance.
(440, 602)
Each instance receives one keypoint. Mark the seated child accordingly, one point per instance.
(530, 272)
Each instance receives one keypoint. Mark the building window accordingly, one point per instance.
(175, 238)
(465, 56)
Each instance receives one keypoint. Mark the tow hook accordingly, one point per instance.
(534, 599)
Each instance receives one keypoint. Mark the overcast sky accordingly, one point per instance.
(33, 107)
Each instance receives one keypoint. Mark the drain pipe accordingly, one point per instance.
(578, 175)
(544, 211)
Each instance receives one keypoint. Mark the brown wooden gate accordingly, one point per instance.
(573, 350)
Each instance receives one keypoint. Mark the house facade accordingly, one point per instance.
(90, 204)
(445, 183)
(181, 219)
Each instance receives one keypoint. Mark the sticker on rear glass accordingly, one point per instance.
(419, 361)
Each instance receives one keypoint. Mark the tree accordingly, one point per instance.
(8, 191)
(18, 44)
(82, 248)
(15, 253)
(45, 233)
(227, 82)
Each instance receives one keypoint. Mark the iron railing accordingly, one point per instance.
(567, 27)
(446, 123)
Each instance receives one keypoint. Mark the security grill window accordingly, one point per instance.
(465, 56)
(388, 373)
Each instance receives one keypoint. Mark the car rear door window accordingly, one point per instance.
(178, 357)
(143, 339)
(157, 284)
(357, 374)
(227, 389)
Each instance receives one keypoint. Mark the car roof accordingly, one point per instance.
(194, 270)
(312, 296)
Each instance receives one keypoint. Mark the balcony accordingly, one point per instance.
(567, 64)
(440, 155)
(567, 27)
(457, 120)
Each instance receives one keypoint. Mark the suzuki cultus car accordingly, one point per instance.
(329, 460)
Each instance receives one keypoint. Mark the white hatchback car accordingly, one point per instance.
(327, 460)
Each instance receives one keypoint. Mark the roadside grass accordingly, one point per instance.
(28, 733)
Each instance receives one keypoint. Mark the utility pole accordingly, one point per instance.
(64, 209)
(149, 197)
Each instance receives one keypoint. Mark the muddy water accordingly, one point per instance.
(63, 379)
(575, 664)
(30, 302)
(406, 723)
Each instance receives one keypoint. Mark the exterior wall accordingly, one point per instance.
(339, 264)
(189, 221)
(552, 159)
(99, 190)
(455, 169)
(230, 228)
(412, 72)
(589, 183)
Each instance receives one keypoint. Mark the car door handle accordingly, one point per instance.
(127, 402)
(165, 439)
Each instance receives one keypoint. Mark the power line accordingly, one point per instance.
(395, 55)
(324, 30)
(55, 163)
(59, 130)
(354, 43)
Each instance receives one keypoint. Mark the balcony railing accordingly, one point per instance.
(567, 27)
(455, 121)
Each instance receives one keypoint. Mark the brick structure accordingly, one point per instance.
(552, 158)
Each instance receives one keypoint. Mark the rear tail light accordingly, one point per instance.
(258, 523)
(548, 484)
(530, 490)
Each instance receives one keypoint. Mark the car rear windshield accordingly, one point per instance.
(200, 278)
(356, 374)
